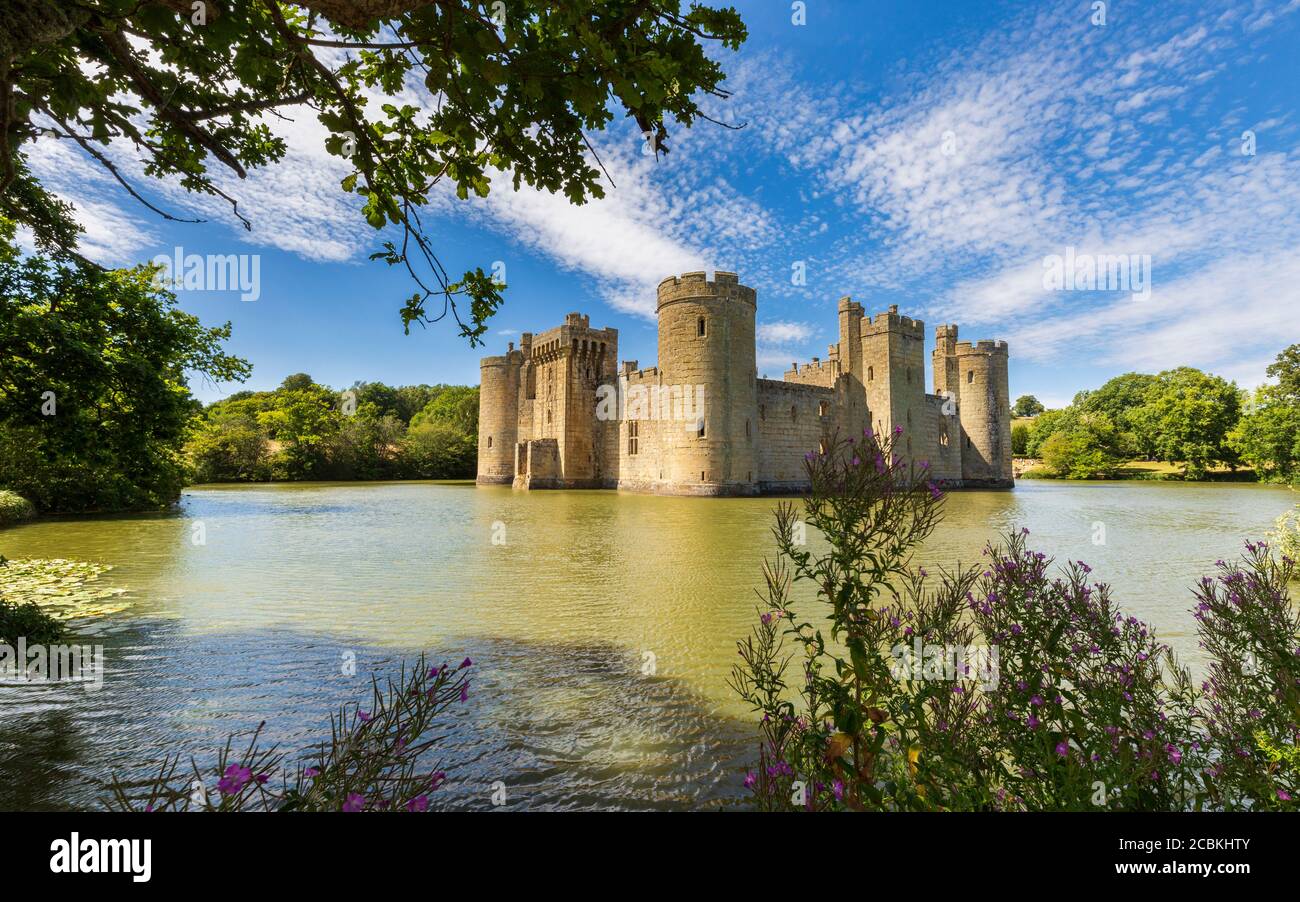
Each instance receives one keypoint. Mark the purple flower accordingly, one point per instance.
(419, 803)
(1063, 748)
(235, 779)
(750, 779)
(464, 691)
(1174, 755)
(1036, 701)
(311, 772)
(466, 663)
(1283, 795)
(838, 789)
(356, 801)
(363, 716)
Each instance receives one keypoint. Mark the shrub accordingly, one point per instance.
(1287, 534)
(29, 621)
(1019, 439)
(1251, 708)
(14, 507)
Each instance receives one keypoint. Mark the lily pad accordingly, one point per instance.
(60, 587)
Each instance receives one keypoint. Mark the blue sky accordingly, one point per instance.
(928, 155)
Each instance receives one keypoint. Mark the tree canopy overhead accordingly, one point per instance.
(516, 85)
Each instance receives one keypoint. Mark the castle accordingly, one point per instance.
(560, 412)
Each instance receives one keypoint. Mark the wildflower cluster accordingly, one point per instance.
(1251, 703)
(1084, 708)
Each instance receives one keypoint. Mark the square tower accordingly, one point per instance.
(893, 371)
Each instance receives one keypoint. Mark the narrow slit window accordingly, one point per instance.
(699, 327)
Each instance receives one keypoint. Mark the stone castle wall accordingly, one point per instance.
(560, 413)
(793, 419)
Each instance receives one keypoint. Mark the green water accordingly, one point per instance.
(561, 598)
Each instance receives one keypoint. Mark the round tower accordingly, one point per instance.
(498, 417)
(707, 366)
(985, 411)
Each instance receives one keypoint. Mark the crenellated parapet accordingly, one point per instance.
(697, 286)
(892, 321)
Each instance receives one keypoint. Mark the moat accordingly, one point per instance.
(589, 589)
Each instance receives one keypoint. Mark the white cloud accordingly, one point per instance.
(777, 333)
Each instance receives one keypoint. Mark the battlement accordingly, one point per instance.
(983, 348)
(696, 285)
(848, 305)
(891, 321)
(819, 372)
(512, 358)
(633, 375)
(575, 337)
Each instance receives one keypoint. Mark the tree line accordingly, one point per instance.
(1183, 416)
(303, 430)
